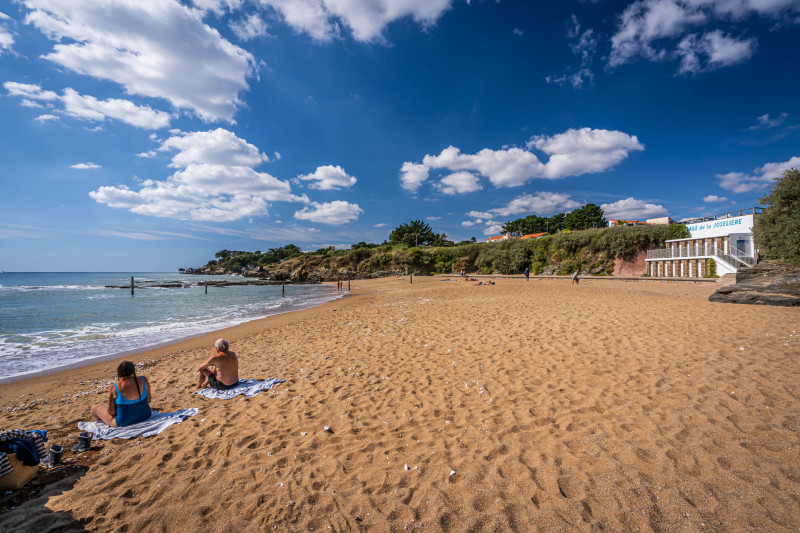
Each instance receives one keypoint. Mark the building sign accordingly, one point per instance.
(721, 227)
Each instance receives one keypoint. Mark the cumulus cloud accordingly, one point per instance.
(46, 118)
(540, 202)
(90, 108)
(413, 175)
(713, 198)
(572, 153)
(583, 151)
(649, 29)
(250, 27)
(29, 91)
(329, 178)
(459, 183)
(214, 147)
(336, 212)
(152, 49)
(216, 182)
(366, 19)
(631, 208)
(761, 178)
(85, 166)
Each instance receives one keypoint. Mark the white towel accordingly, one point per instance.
(154, 425)
(248, 387)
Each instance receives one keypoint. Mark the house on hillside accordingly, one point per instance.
(533, 236)
(499, 238)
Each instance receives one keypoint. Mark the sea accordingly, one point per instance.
(53, 320)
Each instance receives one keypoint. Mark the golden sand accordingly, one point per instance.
(520, 406)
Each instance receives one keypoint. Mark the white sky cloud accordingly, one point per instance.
(712, 50)
(6, 37)
(765, 122)
(631, 208)
(649, 28)
(218, 7)
(459, 183)
(153, 49)
(584, 150)
(336, 212)
(366, 19)
(90, 108)
(46, 118)
(29, 91)
(85, 166)
(213, 147)
(572, 153)
(216, 182)
(713, 198)
(250, 27)
(413, 175)
(761, 178)
(540, 203)
(329, 178)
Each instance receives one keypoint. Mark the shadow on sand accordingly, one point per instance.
(25, 509)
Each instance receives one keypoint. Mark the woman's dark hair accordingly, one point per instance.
(127, 368)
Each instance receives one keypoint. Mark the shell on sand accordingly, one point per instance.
(623, 406)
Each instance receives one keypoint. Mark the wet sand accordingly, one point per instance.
(519, 406)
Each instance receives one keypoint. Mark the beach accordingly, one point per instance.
(519, 406)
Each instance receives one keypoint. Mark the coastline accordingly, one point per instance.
(154, 347)
(31, 381)
(450, 407)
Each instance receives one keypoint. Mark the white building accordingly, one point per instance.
(725, 238)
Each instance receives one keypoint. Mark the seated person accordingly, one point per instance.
(128, 399)
(221, 371)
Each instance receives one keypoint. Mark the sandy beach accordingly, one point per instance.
(519, 406)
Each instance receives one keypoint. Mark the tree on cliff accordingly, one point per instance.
(777, 229)
(588, 216)
(417, 233)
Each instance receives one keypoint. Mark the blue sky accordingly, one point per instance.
(147, 135)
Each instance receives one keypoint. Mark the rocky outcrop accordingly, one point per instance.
(768, 283)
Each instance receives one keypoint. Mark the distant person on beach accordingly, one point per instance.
(576, 277)
(221, 371)
(527, 274)
(128, 399)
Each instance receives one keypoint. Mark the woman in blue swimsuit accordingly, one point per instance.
(128, 399)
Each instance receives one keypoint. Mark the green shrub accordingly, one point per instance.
(711, 268)
(485, 270)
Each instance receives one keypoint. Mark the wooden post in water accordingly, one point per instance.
(131, 285)
(206, 289)
(283, 290)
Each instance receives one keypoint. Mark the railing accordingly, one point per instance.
(749, 211)
(702, 250)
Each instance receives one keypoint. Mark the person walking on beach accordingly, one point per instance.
(576, 277)
(128, 399)
(527, 274)
(221, 371)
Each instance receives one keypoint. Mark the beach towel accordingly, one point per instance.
(248, 387)
(147, 428)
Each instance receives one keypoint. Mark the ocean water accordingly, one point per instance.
(51, 320)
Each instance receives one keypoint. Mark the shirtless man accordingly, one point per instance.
(221, 371)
